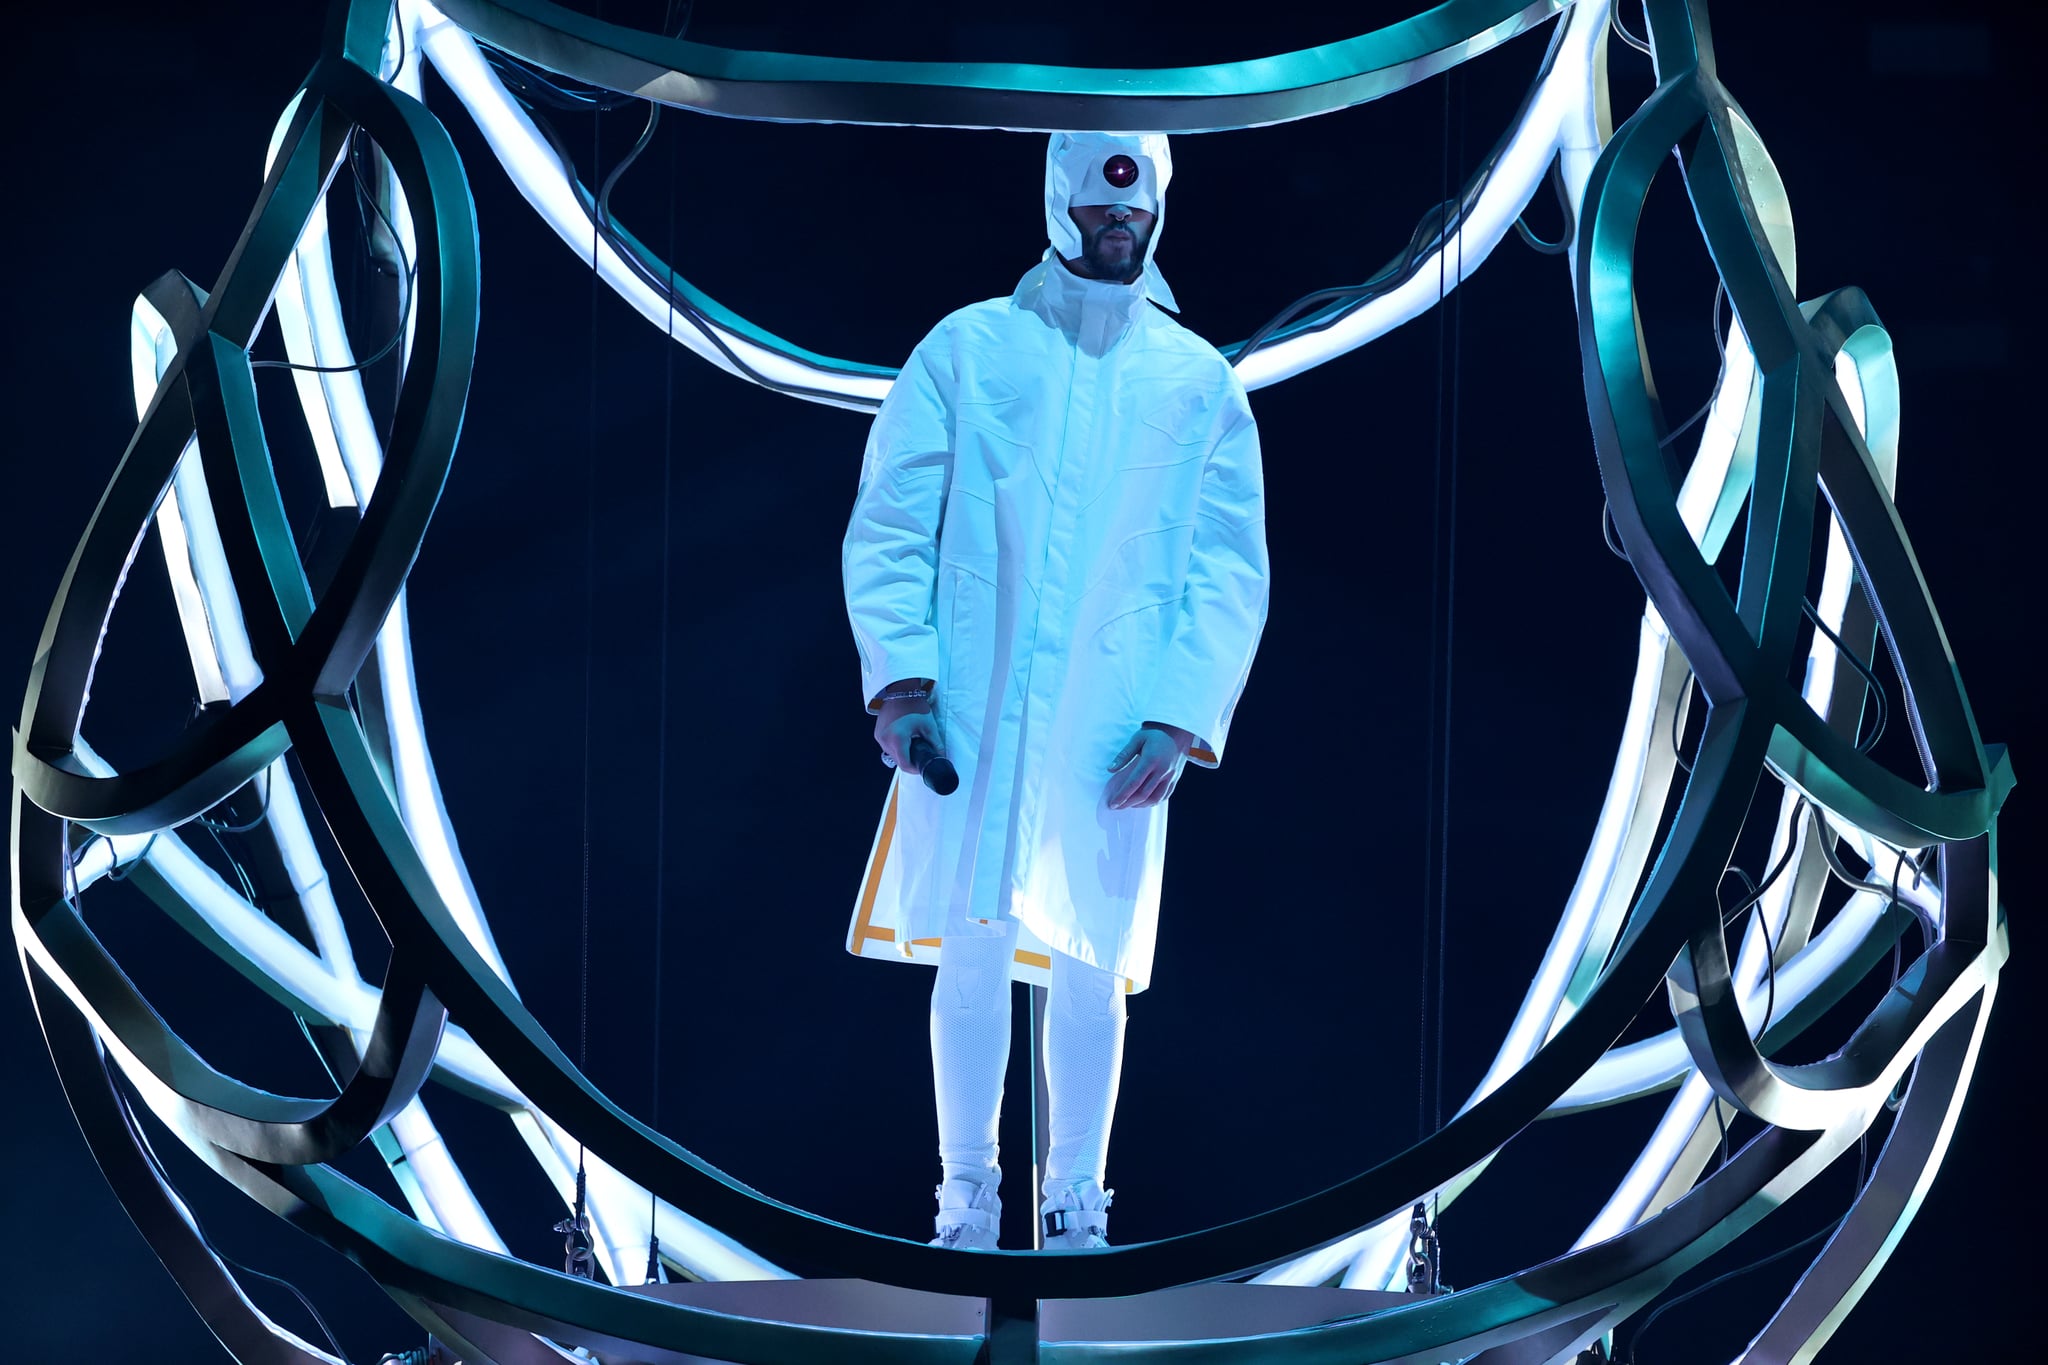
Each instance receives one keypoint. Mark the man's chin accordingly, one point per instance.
(1113, 264)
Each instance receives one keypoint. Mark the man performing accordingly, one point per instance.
(1056, 574)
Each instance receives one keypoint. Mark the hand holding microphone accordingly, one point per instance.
(909, 736)
(934, 767)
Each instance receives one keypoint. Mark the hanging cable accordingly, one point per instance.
(1777, 869)
(1443, 885)
(1607, 527)
(1720, 373)
(1763, 925)
(297, 1293)
(668, 416)
(1862, 1178)
(409, 271)
(1639, 44)
(1608, 532)
(576, 1259)
(1432, 231)
(1423, 1070)
(262, 813)
(1678, 726)
(1425, 1266)
(1855, 662)
(532, 85)
(1564, 203)
(408, 281)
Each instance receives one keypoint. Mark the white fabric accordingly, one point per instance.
(1085, 1022)
(1076, 1215)
(1061, 519)
(970, 1026)
(1074, 179)
(970, 1216)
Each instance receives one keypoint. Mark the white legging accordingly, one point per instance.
(1084, 1051)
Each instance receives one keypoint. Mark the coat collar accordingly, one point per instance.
(1094, 314)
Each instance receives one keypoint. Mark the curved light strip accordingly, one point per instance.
(326, 986)
(1558, 114)
(538, 175)
(1567, 114)
(782, 87)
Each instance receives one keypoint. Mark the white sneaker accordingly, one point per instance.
(970, 1214)
(1076, 1215)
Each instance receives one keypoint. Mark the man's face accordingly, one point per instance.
(1113, 239)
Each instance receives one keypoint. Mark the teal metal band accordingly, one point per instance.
(787, 88)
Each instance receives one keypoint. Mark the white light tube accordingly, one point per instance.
(148, 342)
(1547, 1006)
(1566, 111)
(1643, 1067)
(453, 1206)
(1635, 1198)
(1516, 176)
(539, 176)
(419, 791)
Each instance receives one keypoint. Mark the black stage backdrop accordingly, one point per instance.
(1280, 1047)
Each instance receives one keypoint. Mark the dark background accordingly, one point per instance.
(1280, 1047)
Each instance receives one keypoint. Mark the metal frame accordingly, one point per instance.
(1806, 411)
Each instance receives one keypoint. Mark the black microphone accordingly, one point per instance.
(934, 767)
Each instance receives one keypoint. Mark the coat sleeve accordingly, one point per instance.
(889, 559)
(1223, 612)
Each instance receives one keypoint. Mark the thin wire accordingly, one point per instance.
(1433, 226)
(410, 271)
(1678, 726)
(1720, 350)
(1715, 1099)
(1778, 869)
(668, 411)
(408, 274)
(1855, 662)
(120, 871)
(1423, 1070)
(1443, 885)
(1564, 238)
(1770, 949)
(1607, 527)
(1639, 44)
(221, 827)
(1862, 1180)
(1607, 530)
(589, 632)
(297, 1293)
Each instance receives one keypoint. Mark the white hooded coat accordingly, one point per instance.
(1061, 520)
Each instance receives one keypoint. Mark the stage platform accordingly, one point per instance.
(1188, 1313)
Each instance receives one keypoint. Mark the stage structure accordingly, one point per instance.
(311, 705)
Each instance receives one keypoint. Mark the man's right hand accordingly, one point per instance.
(899, 722)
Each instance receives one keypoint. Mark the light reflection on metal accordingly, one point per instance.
(1819, 411)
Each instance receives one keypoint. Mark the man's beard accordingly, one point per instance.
(1112, 264)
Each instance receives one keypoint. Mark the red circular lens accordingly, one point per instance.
(1120, 171)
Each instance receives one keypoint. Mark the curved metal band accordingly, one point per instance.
(145, 1195)
(787, 88)
(346, 784)
(1740, 650)
(1912, 1153)
(230, 1114)
(1584, 1290)
(209, 389)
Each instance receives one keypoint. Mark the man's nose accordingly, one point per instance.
(1119, 212)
